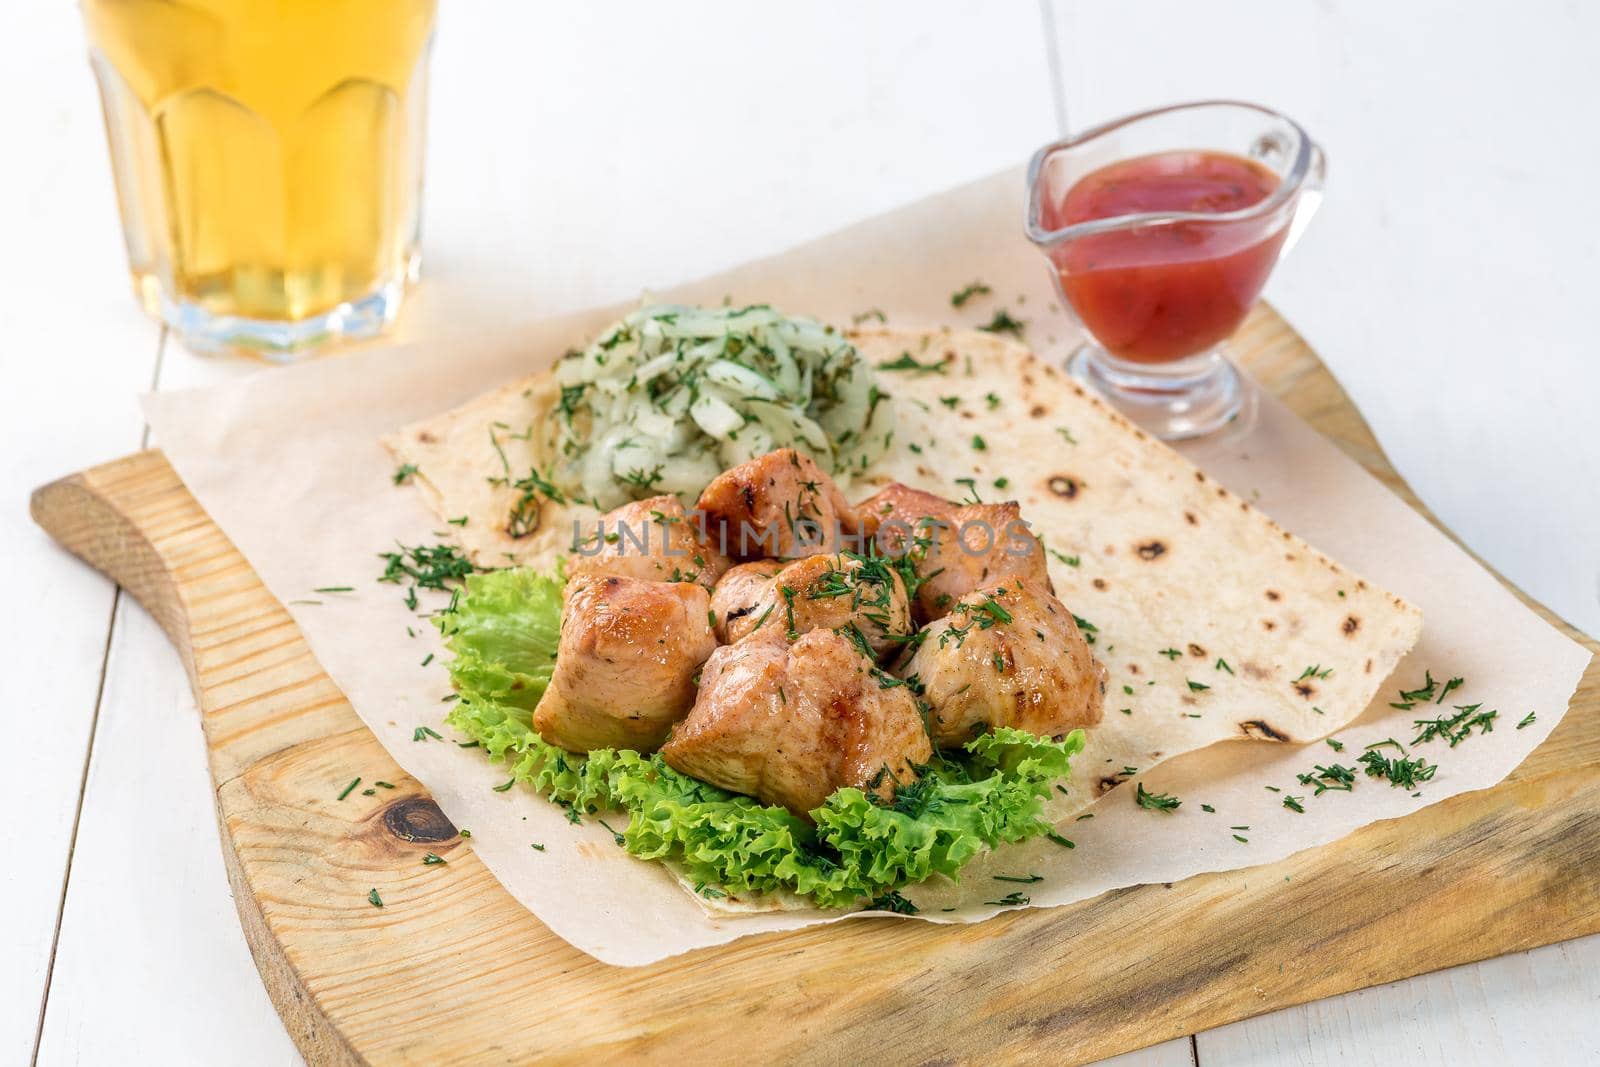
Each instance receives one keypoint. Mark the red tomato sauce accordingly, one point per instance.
(1160, 293)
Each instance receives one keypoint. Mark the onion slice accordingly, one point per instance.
(671, 395)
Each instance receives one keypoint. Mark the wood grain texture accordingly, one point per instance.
(453, 970)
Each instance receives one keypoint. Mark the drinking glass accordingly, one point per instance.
(268, 162)
(1158, 293)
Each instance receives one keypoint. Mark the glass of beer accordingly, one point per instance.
(268, 162)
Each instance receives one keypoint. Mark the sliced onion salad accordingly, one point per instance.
(671, 396)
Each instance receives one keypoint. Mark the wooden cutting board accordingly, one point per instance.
(453, 970)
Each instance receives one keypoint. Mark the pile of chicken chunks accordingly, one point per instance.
(783, 643)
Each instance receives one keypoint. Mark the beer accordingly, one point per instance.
(268, 161)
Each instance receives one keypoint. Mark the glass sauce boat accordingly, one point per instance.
(1158, 292)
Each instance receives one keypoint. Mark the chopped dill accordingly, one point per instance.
(967, 292)
(892, 901)
(907, 362)
(1402, 773)
(1002, 322)
(1156, 801)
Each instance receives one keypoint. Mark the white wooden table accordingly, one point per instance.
(583, 157)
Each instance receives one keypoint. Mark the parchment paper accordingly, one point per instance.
(288, 463)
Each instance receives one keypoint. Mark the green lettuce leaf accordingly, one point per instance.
(955, 810)
(503, 632)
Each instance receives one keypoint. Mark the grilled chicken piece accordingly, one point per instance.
(789, 724)
(652, 539)
(626, 662)
(780, 504)
(958, 547)
(738, 592)
(983, 543)
(894, 515)
(1008, 654)
(826, 593)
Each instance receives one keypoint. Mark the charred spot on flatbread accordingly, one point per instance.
(1261, 730)
(1350, 625)
(1064, 486)
(1109, 782)
(1196, 651)
(1151, 550)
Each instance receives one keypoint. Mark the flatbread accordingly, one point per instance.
(1214, 623)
